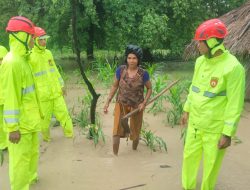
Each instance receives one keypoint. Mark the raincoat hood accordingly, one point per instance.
(215, 45)
(38, 48)
(20, 46)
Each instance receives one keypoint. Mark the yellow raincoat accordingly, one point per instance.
(49, 85)
(214, 103)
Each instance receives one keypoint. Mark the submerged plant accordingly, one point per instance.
(83, 118)
(153, 141)
(95, 133)
(92, 131)
(159, 83)
(177, 102)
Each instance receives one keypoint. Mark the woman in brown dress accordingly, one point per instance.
(129, 80)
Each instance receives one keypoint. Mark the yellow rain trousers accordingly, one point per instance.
(21, 113)
(3, 134)
(49, 84)
(197, 143)
(24, 161)
(214, 103)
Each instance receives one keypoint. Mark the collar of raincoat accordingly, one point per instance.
(16, 46)
(37, 47)
(215, 45)
(217, 59)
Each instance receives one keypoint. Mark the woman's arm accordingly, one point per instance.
(148, 94)
(149, 91)
(111, 94)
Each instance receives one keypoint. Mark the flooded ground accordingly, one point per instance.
(76, 164)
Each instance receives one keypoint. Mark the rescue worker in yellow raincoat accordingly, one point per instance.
(49, 86)
(3, 134)
(21, 110)
(213, 106)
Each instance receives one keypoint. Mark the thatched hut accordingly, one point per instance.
(238, 39)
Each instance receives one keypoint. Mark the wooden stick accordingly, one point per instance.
(132, 187)
(153, 99)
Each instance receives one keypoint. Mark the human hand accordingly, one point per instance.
(184, 119)
(224, 142)
(105, 109)
(141, 106)
(15, 137)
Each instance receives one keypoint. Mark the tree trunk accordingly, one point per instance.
(90, 43)
(147, 55)
(74, 5)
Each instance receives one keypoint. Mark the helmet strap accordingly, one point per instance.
(212, 50)
(38, 46)
(24, 43)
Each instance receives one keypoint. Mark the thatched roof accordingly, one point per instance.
(238, 39)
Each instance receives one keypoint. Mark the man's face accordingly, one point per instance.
(202, 47)
(42, 42)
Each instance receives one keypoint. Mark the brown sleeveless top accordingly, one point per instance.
(130, 89)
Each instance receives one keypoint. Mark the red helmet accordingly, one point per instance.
(39, 32)
(20, 23)
(213, 28)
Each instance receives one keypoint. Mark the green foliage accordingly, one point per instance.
(135, 22)
(153, 30)
(105, 71)
(151, 69)
(175, 112)
(83, 118)
(95, 133)
(92, 131)
(175, 99)
(159, 82)
(152, 141)
(112, 24)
